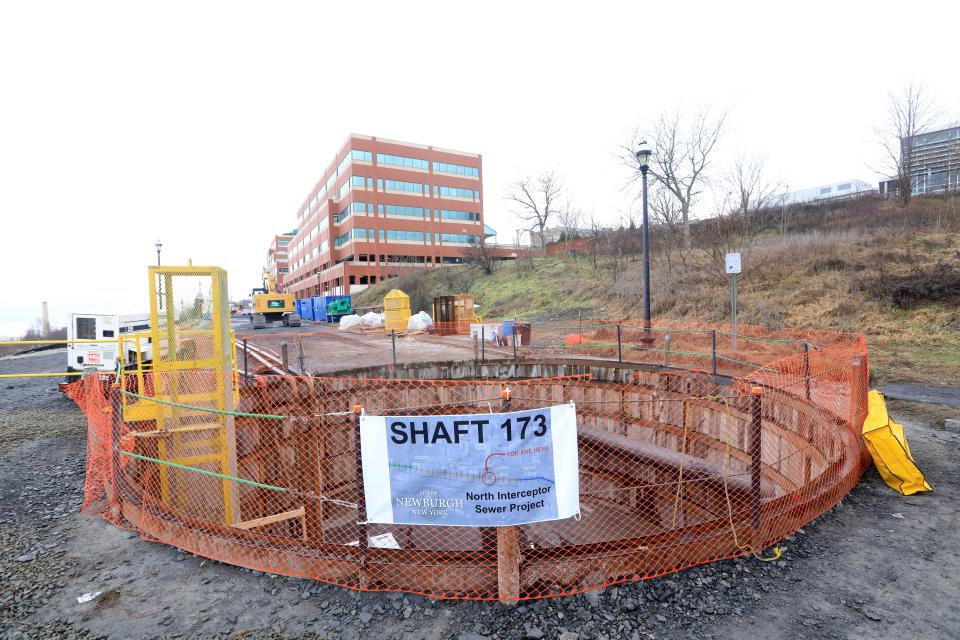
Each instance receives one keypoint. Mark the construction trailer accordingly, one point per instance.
(106, 332)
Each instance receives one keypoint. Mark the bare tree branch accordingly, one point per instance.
(683, 151)
(536, 201)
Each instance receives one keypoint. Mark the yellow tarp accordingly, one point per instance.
(890, 450)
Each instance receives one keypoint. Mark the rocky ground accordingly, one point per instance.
(879, 564)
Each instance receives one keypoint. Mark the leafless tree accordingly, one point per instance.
(752, 188)
(481, 254)
(683, 150)
(667, 219)
(751, 202)
(537, 201)
(570, 218)
(910, 114)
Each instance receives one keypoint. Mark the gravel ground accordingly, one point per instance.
(879, 564)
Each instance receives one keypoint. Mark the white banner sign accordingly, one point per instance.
(485, 469)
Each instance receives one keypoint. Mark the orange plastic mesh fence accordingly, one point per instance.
(677, 467)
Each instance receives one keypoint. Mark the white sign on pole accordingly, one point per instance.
(733, 263)
(486, 469)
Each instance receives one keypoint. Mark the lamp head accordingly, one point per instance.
(643, 154)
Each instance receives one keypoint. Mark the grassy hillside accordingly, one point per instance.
(889, 273)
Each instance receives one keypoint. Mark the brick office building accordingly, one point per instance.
(278, 258)
(383, 208)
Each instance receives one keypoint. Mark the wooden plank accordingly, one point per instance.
(265, 520)
(191, 428)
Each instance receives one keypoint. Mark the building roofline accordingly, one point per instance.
(415, 145)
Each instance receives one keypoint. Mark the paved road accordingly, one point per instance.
(923, 393)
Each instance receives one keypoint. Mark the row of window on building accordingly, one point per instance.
(386, 159)
(406, 211)
(393, 235)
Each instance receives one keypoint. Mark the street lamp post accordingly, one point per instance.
(159, 246)
(643, 159)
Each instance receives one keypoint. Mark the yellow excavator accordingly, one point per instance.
(269, 305)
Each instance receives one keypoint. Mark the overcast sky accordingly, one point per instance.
(205, 124)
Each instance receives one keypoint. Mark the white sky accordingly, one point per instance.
(205, 124)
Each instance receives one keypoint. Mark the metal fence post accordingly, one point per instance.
(666, 350)
(713, 349)
(483, 343)
(513, 339)
(393, 344)
(806, 368)
(619, 345)
(246, 371)
(756, 460)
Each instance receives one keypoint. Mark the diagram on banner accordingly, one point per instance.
(487, 469)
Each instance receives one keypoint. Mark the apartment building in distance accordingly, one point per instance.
(278, 258)
(933, 158)
(383, 208)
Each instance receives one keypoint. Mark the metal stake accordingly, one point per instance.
(619, 345)
(713, 349)
(393, 344)
(756, 446)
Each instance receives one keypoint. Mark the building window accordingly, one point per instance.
(844, 187)
(457, 192)
(380, 209)
(456, 169)
(825, 190)
(461, 216)
(344, 190)
(379, 184)
(401, 161)
(358, 207)
(405, 236)
(362, 156)
(400, 185)
(370, 184)
(460, 238)
(397, 210)
(358, 181)
(342, 167)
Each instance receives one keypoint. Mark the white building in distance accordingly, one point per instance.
(846, 189)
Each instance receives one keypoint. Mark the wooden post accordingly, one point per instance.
(284, 357)
(806, 368)
(508, 545)
(361, 497)
(116, 431)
